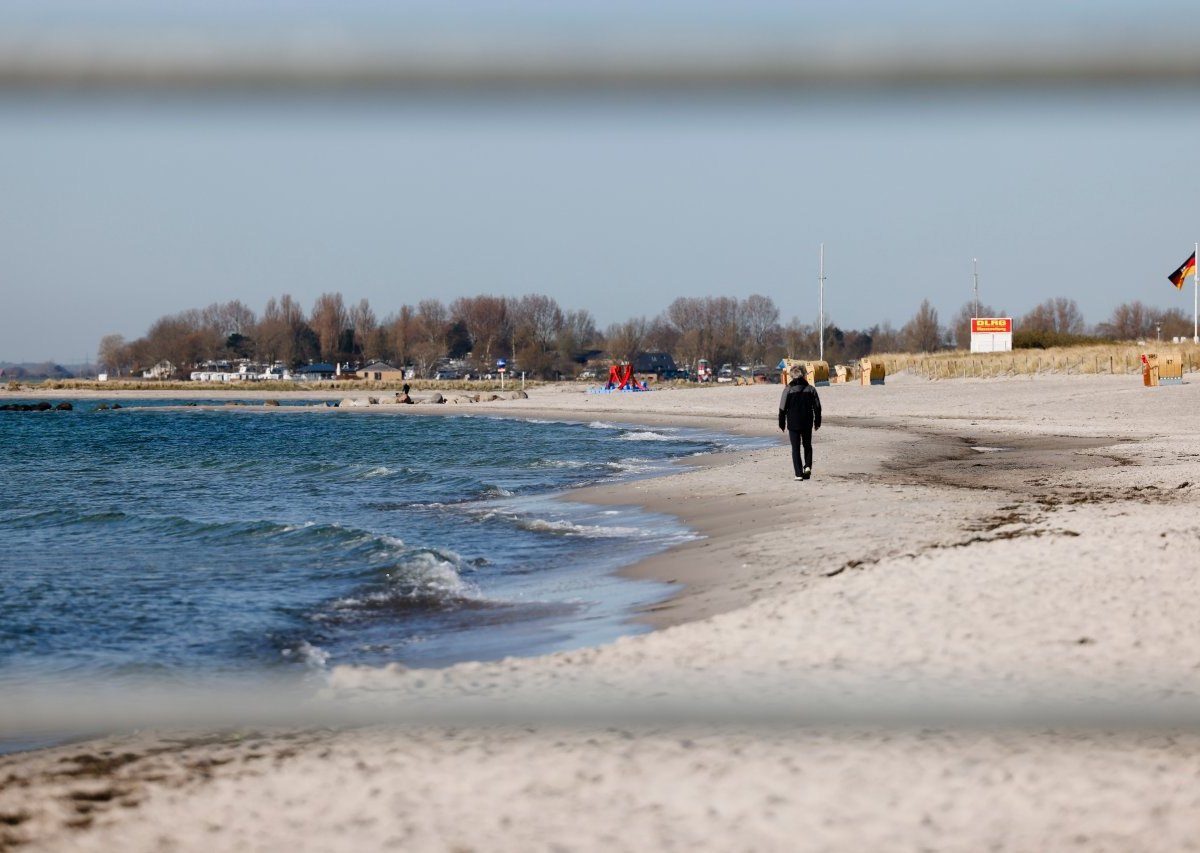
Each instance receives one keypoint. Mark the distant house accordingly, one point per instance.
(653, 362)
(381, 371)
(163, 370)
(318, 372)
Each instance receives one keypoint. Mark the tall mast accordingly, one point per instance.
(1196, 299)
(821, 307)
(975, 263)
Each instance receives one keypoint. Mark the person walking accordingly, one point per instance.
(800, 412)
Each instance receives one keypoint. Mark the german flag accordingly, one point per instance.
(1187, 268)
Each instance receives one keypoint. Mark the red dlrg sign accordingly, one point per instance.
(981, 325)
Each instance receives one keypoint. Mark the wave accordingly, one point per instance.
(423, 579)
(558, 526)
(564, 527)
(634, 465)
(380, 471)
(496, 492)
(646, 435)
(312, 656)
(303, 535)
(561, 463)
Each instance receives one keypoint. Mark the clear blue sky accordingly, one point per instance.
(118, 209)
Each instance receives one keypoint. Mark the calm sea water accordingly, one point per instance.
(177, 542)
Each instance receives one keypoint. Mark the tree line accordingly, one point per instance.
(548, 341)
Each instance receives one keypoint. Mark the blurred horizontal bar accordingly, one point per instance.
(27, 713)
(500, 67)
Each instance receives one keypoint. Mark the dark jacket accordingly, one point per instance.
(800, 407)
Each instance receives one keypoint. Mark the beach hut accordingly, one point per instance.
(817, 372)
(316, 372)
(1161, 371)
(871, 372)
(380, 371)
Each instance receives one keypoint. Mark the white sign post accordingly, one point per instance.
(991, 334)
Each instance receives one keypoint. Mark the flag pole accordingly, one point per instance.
(821, 308)
(1196, 300)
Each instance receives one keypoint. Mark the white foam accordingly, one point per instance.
(314, 657)
(561, 463)
(571, 528)
(631, 465)
(381, 471)
(646, 435)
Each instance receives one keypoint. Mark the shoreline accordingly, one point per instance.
(1018, 540)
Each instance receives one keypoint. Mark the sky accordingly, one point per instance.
(117, 208)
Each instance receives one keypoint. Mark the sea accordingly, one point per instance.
(165, 540)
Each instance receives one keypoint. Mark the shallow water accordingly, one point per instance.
(173, 542)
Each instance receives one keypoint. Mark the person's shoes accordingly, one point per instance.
(807, 473)
(799, 478)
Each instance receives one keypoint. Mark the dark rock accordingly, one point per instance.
(116, 405)
(64, 407)
(43, 406)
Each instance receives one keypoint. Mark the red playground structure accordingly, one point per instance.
(620, 378)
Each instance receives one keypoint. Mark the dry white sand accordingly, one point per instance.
(994, 542)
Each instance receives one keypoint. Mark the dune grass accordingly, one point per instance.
(1114, 358)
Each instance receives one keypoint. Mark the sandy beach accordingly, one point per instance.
(974, 628)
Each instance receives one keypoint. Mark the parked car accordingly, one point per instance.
(446, 374)
(586, 374)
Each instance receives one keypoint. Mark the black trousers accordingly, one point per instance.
(798, 438)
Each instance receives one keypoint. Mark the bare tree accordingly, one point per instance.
(1058, 315)
(962, 322)
(281, 333)
(362, 320)
(401, 330)
(432, 319)
(182, 339)
(625, 339)
(486, 319)
(330, 321)
(662, 336)
(536, 321)
(112, 354)
(922, 333)
(1130, 321)
(799, 339)
(229, 318)
(576, 335)
(761, 319)
(885, 338)
(1175, 323)
(723, 320)
(686, 315)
